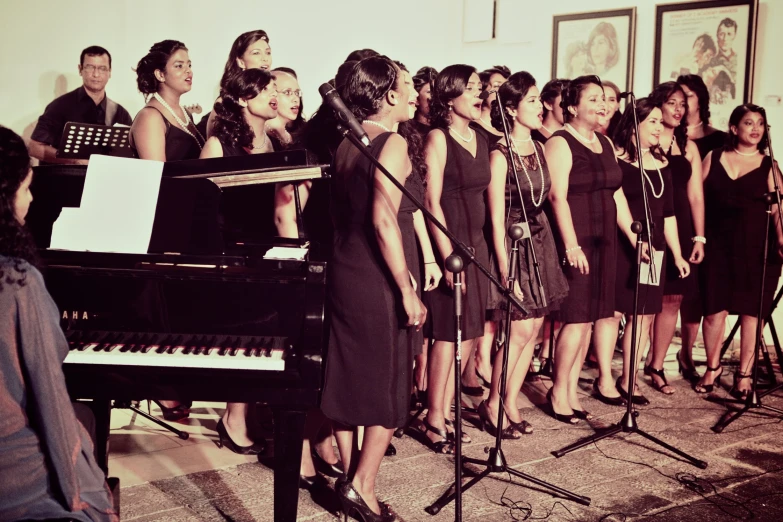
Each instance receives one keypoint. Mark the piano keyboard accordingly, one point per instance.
(231, 352)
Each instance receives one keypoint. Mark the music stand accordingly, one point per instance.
(81, 140)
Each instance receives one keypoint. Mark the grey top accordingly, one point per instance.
(46, 456)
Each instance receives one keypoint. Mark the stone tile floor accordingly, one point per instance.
(627, 477)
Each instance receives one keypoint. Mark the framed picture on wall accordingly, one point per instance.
(600, 42)
(714, 40)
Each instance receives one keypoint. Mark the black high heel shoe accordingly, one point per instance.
(175, 413)
(225, 440)
(740, 394)
(707, 388)
(567, 419)
(330, 470)
(317, 481)
(611, 401)
(354, 505)
(639, 400)
(487, 425)
(655, 372)
(688, 373)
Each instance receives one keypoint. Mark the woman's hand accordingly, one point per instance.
(413, 281)
(449, 276)
(683, 267)
(646, 252)
(577, 259)
(697, 254)
(432, 276)
(414, 309)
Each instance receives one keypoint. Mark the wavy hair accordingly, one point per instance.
(230, 124)
(414, 140)
(15, 241)
(238, 48)
(732, 140)
(624, 135)
(608, 31)
(449, 84)
(155, 60)
(572, 93)
(661, 95)
(512, 92)
(366, 86)
(550, 91)
(425, 75)
(696, 84)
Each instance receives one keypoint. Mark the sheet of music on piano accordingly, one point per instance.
(117, 208)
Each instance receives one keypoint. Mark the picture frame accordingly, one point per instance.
(714, 39)
(598, 42)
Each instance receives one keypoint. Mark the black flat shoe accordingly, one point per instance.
(225, 440)
(316, 481)
(176, 413)
(639, 400)
(611, 401)
(566, 419)
(390, 451)
(330, 470)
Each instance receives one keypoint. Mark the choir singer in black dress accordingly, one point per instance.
(372, 297)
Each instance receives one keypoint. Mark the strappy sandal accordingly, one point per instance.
(707, 388)
(655, 372)
(441, 447)
(465, 437)
(740, 394)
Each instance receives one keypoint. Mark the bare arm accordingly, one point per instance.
(672, 236)
(432, 272)
(385, 206)
(695, 191)
(705, 166)
(624, 217)
(212, 149)
(285, 207)
(775, 171)
(496, 200)
(45, 152)
(148, 133)
(560, 161)
(435, 158)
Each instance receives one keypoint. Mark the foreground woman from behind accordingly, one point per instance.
(46, 457)
(368, 373)
(736, 179)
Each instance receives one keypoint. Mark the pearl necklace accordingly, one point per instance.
(485, 123)
(184, 124)
(460, 136)
(660, 176)
(527, 175)
(370, 122)
(550, 131)
(529, 138)
(580, 137)
(263, 144)
(747, 153)
(696, 125)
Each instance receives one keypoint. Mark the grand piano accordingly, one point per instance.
(207, 314)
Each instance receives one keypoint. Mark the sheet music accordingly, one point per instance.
(294, 253)
(117, 208)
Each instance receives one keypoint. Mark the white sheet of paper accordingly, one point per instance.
(117, 209)
(286, 253)
(646, 276)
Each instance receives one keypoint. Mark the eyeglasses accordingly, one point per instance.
(290, 93)
(92, 68)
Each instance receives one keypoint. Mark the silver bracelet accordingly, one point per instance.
(569, 250)
(699, 239)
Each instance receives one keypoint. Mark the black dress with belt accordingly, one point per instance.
(592, 182)
(369, 361)
(659, 198)
(735, 230)
(465, 180)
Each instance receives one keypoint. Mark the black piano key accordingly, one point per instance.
(129, 344)
(224, 346)
(163, 344)
(175, 343)
(250, 347)
(210, 344)
(189, 345)
(107, 342)
(199, 345)
(148, 343)
(235, 347)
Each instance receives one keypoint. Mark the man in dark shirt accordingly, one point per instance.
(86, 104)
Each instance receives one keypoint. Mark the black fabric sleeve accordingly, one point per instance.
(50, 125)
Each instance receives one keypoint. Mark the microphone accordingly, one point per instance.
(330, 96)
(624, 95)
(484, 95)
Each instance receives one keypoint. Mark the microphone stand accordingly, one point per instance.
(628, 423)
(753, 401)
(461, 253)
(496, 460)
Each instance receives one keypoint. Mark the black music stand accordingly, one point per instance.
(81, 140)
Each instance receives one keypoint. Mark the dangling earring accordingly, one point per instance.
(451, 107)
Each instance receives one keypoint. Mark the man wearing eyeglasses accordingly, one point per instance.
(86, 104)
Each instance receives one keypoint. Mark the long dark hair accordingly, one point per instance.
(732, 140)
(449, 84)
(661, 95)
(624, 135)
(511, 93)
(550, 91)
(572, 93)
(696, 84)
(238, 48)
(15, 241)
(415, 141)
(153, 61)
(230, 125)
(297, 124)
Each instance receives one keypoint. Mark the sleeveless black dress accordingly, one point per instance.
(593, 180)
(555, 284)
(465, 180)
(710, 142)
(735, 230)
(369, 362)
(410, 245)
(179, 144)
(681, 170)
(650, 296)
